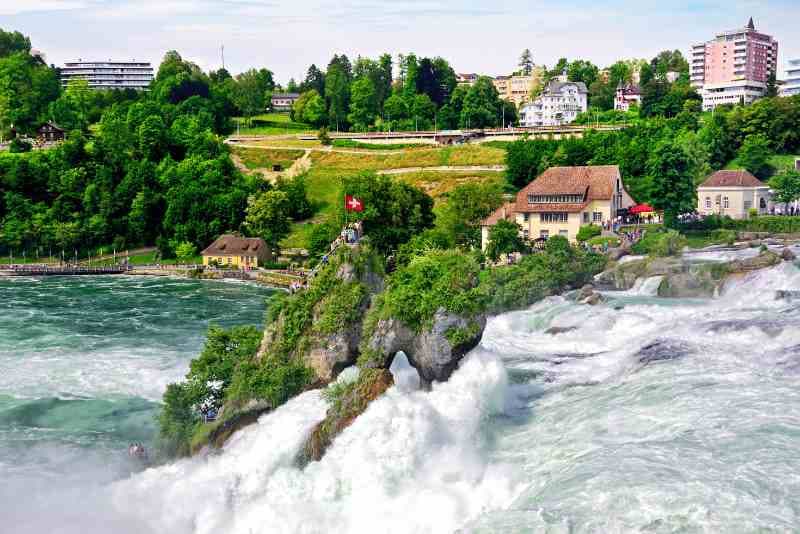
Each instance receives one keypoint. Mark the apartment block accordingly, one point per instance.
(109, 74)
(734, 67)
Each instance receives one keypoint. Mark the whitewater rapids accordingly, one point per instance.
(640, 415)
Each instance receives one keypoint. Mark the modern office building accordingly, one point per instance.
(791, 84)
(109, 74)
(734, 67)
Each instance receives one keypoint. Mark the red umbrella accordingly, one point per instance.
(641, 208)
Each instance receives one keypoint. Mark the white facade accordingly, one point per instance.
(792, 85)
(735, 202)
(560, 103)
(737, 92)
(109, 74)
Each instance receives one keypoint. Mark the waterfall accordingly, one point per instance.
(621, 420)
(647, 287)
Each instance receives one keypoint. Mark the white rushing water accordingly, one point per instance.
(644, 415)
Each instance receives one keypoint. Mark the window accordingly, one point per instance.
(708, 203)
(563, 233)
(597, 216)
(717, 200)
(725, 203)
(553, 217)
(586, 217)
(544, 234)
(526, 217)
(748, 204)
(763, 203)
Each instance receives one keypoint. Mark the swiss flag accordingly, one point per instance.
(352, 203)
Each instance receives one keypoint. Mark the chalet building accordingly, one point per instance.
(627, 96)
(562, 200)
(732, 193)
(239, 252)
(51, 132)
(284, 101)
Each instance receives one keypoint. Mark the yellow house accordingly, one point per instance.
(237, 252)
(732, 193)
(562, 200)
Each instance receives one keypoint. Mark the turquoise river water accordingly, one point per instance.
(638, 415)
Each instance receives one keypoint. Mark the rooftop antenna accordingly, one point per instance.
(222, 53)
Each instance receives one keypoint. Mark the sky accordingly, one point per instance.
(287, 36)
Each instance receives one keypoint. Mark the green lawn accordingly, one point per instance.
(323, 187)
(257, 158)
(272, 124)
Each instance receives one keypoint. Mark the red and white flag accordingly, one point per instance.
(352, 203)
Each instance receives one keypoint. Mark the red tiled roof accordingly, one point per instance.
(234, 245)
(593, 183)
(739, 178)
(506, 211)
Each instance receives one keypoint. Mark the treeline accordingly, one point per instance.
(151, 170)
(363, 96)
(663, 160)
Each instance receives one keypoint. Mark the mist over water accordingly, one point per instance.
(644, 415)
(84, 362)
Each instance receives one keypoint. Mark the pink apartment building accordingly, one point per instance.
(734, 67)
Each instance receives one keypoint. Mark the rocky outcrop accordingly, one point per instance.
(351, 402)
(588, 295)
(682, 279)
(434, 352)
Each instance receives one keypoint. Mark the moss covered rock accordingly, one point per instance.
(347, 403)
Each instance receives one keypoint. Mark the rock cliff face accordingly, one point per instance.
(435, 352)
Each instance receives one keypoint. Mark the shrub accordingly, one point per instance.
(324, 137)
(669, 243)
(724, 236)
(588, 231)
(752, 213)
(439, 279)
(599, 240)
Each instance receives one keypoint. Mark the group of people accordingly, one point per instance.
(633, 236)
(350, 235)
(298, 285)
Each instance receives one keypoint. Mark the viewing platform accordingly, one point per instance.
(60, 270)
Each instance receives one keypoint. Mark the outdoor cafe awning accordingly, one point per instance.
(640, 209)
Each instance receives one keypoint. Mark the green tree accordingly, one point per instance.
(582, 71)
(754, 155)
(13, 42)
(464, 208)
(252, 87)
(310, 108)
(526, 61)
(268, 216)
(504, 239)
(185, 252)
(673, 185)
(363, 103)
(786, 186)
(481, 108)
(393, 211)
(337, 93)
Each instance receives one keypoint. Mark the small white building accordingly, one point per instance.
(560, 103)
(732, 193)
(283, 101)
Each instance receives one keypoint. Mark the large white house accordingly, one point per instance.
(560, 103)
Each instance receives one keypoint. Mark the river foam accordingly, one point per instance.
(643, 414)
